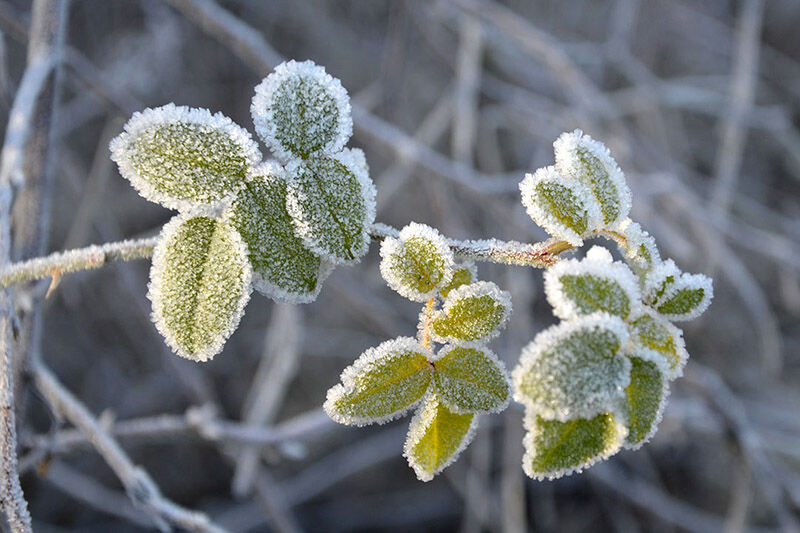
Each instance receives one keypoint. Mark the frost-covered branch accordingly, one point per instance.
(89, 258)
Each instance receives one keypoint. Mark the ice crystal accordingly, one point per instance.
(283, 268)
(472, 312)
(594, 284)
(332, 202)
(559, 448)
(564, 208)
(641, 250)
(677, 295)
(589, 162)
(199, 284)
(464, 273)
(300, 110)
(436, 437)
(417, 263)
(382, 384)
(184, 158)
(471, 379)
(574, 369)
(657, 340)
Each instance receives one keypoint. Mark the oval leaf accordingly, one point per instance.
(381, 385)
(199, 284)
(332, 203)
(588, 162)
(416, 263)
(471, 379)
(184, 158)
(300, 110)
(640, 250)
(660, 342)
(283, 268)
(687, 298)
(436, 437)
(554, 449)
(645, 398)
(574, 369)
(464, 273)
(596, 283)
(563, 208)
(472, 312)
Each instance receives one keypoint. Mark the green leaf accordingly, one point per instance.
(677, 295)
(645, 398)
(464, 274)
(184, 158)
(588, 162)
(416, 263)
(662, 341)
(559, 206)
(436, 437)
(640, 250)
(554, 449)
(470, 379)
(283, 268)
(300, 110)
(332, 203)
(381, 385)
(574, 369)
(199, 284)
(472, 312)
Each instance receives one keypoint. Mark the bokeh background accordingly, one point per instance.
(455, 101)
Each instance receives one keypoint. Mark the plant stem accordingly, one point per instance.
(539, 255)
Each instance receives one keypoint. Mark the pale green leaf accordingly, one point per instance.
(381, 385)
(645, 398)
(640, 248)
(574, 369)
(588, 162)
(661, 341)
(199, 284)
(283, 268)
(463, 274)
(436, 437)
(554, 449)
(472, 312)
(300, 110)
(332, 203)
(677, 295)
(416, 263)
(563, 208)
(184, 158)
(470, 379)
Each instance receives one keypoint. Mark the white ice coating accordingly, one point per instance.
(263, 108)
(474, 381)
(544, 217)
(416, 431)
(567, 148)
(476, 290)
(655, 279)
(576, 388)
(636, 237)
(688, 281)
(597, 263)
(154, 293)
(530, 450)
(637, 348)
(366, 360)
(391, 246)
(141, 121)
(308, 230)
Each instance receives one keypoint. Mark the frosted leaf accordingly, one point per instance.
(332, 202)
(677, 295)
(472, 312)
(383, 384)
(582, 159)
(464, 273)
(300, 110)
(641, 250)
(184, 158)
(564, 208)
(574, 369)
(436, 437)
(417, 263)
(657, 340)
(645, 399)
(199, 284)
(283, 269)
(596, 283)
(554, 449)
(471, 379)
